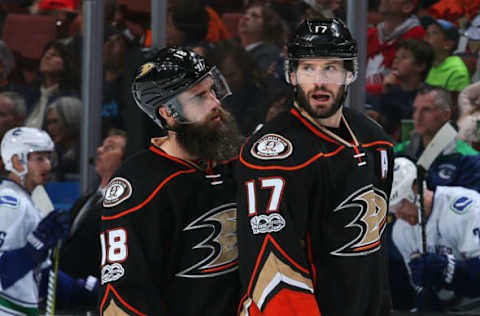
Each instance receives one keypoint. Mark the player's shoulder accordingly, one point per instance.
(141, 178)
(365, 127)
(458, 201)
(403, 236)
(282, 142)
(12, 195)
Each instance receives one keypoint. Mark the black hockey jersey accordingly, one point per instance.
(169, 244)
(311, 216)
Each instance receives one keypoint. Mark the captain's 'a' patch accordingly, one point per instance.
(271, 146)
(118, 190)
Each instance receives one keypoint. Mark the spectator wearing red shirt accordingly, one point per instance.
(399, 22)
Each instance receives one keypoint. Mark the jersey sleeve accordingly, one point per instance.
(407, 239)
(132, 246)
(276, 274)
(14, 225)
(463, 224)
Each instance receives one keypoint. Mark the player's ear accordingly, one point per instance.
(166, 114)
(17, 164)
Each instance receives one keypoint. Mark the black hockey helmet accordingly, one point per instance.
(167, 74)
(322, 38)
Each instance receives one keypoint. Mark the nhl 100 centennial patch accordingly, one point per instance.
(118, 190)
(271, 146)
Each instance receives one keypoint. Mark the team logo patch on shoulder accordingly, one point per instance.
(272, 146)
(146, 68)
(9, 201)
(461, 205)
(118, 190)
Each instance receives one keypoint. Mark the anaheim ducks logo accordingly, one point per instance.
(145, 69)
(222, 242)
(371, 219)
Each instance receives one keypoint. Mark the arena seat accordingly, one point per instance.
(28, 34)
(140, 6)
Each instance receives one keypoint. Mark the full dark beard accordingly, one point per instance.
(209, 141)
(303, 102)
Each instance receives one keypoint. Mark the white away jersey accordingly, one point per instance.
(452, 228)
(18, 218)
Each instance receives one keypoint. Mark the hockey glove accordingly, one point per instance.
(432, 270)
(53, 227)
(16, 263)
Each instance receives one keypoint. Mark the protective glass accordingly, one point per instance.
(194, 104)
(325, 70)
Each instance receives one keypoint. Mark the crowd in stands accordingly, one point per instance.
(422, 70)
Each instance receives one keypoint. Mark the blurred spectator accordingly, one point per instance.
(12, 111)
(245, 78)
(80, 253)
(459, 163)
(469, 120)
(58, 76)
(448, 272)
(454, 10)
(187, 23)
(448, 71)
(412, 62)
(63, 125)
(263, 34)
(192, 24)
(472, 33)
(399, 22)
(116, 50)
(281, 100)
(7, 65)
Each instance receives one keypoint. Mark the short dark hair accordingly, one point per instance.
(443, 97)
(192, 18)
(121, 133)
(422, 52)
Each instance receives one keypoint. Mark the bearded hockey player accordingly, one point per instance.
(26, 236)
(168, 236)
(314, 185)
(451, 267)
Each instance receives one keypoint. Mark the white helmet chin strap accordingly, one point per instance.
(23, 173)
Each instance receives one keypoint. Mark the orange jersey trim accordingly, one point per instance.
(269, 238)
(150, 197)
(297, 114)
(368, 246)
(306, 300)
(164, 154)
(112, 289)
(289, 302)
(380, 142)
(303, 165)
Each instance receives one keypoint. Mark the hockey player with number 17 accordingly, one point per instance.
(451, 267)
(313, 192)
